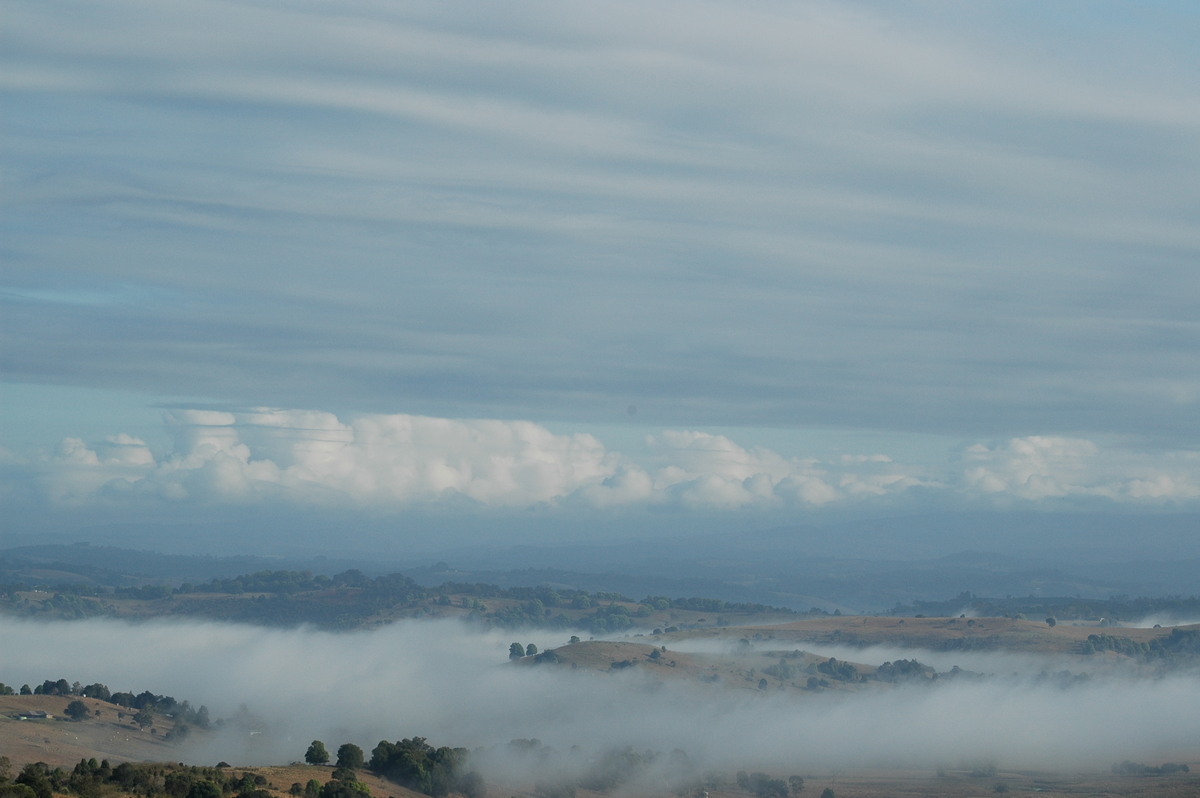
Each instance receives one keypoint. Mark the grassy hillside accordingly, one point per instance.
(59, 741)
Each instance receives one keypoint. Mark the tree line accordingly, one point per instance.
(346, 599)
(1061, 608)
(92, 779)
(1179, 643)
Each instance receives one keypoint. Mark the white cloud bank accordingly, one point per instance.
(1037, 467)
(314, 458)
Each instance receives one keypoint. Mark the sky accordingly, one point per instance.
(743, 261)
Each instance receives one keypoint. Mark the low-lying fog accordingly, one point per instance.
(454, 686)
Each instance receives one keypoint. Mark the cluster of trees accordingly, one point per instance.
(417, 765)
(840, 670)
(764, 786)
(92, 779)
(65, 602)
(1179, 642)
(784, 671)
(1128, 768)
(904, 670)
(516, 651)
(715, 606)
(1071, 608)
(898, 671)
(411, 763)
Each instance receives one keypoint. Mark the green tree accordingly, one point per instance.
(827, 793)
(16, 791)
(350, 756)
(530, 650)
(345, 789)
(76, 710)
(204, 789)
(316, 754)
(516, 651)
(1051, 621)
(36, 776)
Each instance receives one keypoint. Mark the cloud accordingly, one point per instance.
(313, 457)
(1035, 468)
(310, 458)
(712, 470)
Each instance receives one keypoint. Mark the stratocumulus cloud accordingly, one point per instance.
(392, 460)
(1041, 467)
(311, 458)
(452, 685)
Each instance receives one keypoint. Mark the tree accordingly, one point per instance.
(472, 786)
(796, 783)
(204, 789)
(1051, 621)
(350, 756)
(827, 793)
(316, 754)
(36, 776)
(530, 650)
(76, 710)
(144, 717)
(344, 789)
(516, 651)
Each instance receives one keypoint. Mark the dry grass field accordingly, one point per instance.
(1021, 636)
(57, 740)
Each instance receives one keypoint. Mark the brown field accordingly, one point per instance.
(1022, 636)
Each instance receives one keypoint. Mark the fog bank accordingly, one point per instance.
(453, 685)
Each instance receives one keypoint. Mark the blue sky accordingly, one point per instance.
(774, 258)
